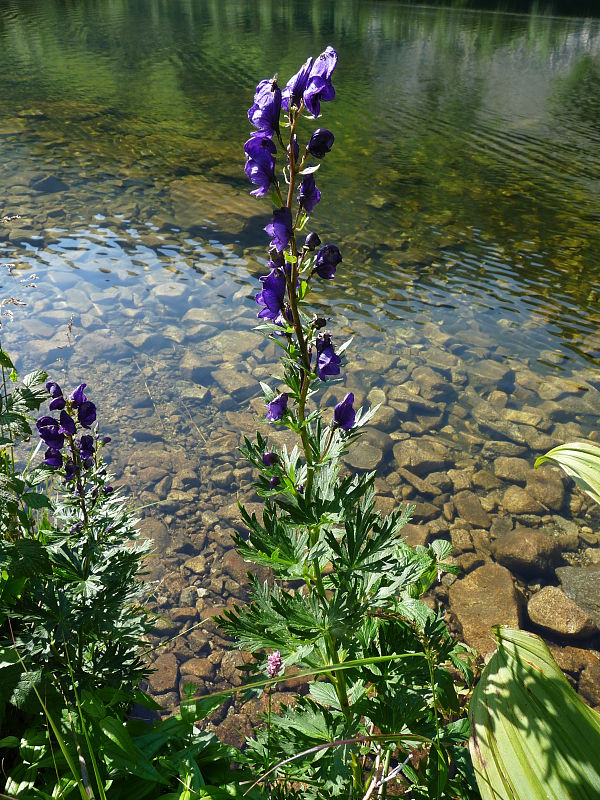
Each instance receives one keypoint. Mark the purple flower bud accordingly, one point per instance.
(274, 481)
(53, 389)
(308, 195)
(108, 489)
(328, 362)
(67, 424)
(274, 664)
(276, 408)
(269, 458)
(49, 431)
(70, 470)
(57, 404)
(280, 228)
(344, 415)
(77, 396)
(312, 241)
(53, 458)
(86, 414)
(86, 447)
(320, 142)
(300, 488)
(105, 440)
(327, 260)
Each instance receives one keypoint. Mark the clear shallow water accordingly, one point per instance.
(464, 190)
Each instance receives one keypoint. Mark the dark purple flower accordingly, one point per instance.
(300, 488)
(264, 114)
(319, 87)
(86, 414)
(86, 447)
(328, 363)
(53, 389)
(327, 260)
(274, 481)
(260, 162)
(70, 470)
(269, 458)
(312, 241)
(77, 396)
(294, 89)
(53, 458)
(49, 431)
(272, 296)
(320, 142)
(276, 408)
(344, 415)
(309, 195)
(104, 440)
(67, 424)
(280, 228)
(57, 404)
(274, 664)
(108, 489)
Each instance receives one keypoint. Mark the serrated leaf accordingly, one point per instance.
(36, 500)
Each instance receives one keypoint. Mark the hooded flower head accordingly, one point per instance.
(269, 458)
(272, 296)
(67, 424)
(260, 162)
(294, 89)
(319, 87)
(58, 401)
(280, 228)
(86, 414)
(264, 114)
(344, 415)
(86, 447)
(49, 431)
(276, 408)
(53, 458)
(309, 195)
(328, 363)
(328, 258)
(312, 241)
(320, 142)
(77, 396)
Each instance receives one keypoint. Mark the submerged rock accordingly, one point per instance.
(556, 613)
(528, 552)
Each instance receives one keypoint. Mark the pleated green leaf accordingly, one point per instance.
(532, 737)
(581, 461)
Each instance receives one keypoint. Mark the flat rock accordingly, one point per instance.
(518, 501)
(240, 385)
(421, 456)
(483, 598)
(528, 552)
(363, 455)
(488, 373)
(515, 470)
(553, 611)
(164, 677)
(547, 487)
(582, 584)
(469, 508)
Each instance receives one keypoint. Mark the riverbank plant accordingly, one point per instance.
(387, 712)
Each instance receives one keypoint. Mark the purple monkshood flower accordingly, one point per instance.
(70, 470)
(274, 664)
(264, 114)
(86, 447)
(272, 296)
(280, 228)
(77, 396)
(344, 415)
(49, 431)
(276, 408)
(269, 458)
(320, 142)
(312, 241)
(328, 363)
(319, 87)
(67, 424)
(327, 260)
(274, 481)
(292, 94)
(260, 162)
(86, 414)
(58, 401)
(53, 458)
(309, 195)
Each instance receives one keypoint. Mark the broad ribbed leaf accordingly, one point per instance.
(532, 737)
(581, 461)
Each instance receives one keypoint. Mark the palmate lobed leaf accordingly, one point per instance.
(532, 736)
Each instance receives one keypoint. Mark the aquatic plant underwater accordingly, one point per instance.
(383, 711)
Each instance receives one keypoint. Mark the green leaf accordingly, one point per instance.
(119, 746)
(533, 738)
(581, 461)
(10, 741)
(36, 500)
(195, 709)
(5, 360)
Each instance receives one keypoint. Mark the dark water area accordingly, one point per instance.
(463, 190)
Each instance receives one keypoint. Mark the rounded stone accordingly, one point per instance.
(528, 552)
(556, 613)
